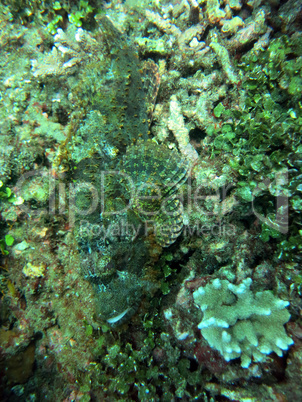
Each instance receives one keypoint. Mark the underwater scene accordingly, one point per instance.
(151, 200)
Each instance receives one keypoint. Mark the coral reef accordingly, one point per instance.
(185, 113)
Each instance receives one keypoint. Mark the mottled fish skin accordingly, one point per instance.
(154, 174)
(128, 106)
(127, 95)
(151, 82)
(115, 265)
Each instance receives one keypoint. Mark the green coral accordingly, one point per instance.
(240, 323)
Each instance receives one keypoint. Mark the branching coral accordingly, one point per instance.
(240, 323)
(224, 59)
(177, 126)
(71, 48)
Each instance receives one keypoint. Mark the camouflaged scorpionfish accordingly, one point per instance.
(149, 179)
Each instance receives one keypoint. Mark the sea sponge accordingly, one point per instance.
(240, 323)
